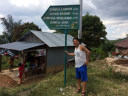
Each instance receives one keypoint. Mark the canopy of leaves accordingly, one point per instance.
(14, 30)
(93, 30)
(22, 29)
(8, 25)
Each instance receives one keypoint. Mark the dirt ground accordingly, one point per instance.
(10, 79)
(6, 81)
(123, 62)
(118, 65)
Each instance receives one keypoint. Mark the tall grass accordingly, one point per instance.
(4, 92)
(101, 82)
(5, 62)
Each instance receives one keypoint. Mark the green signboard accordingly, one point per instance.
(62, 17)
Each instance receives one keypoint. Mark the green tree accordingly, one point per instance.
(3, 38)
(126, 35)
(107, 45)
(93, 31)
(97, 53)
(20, 30)
(8, 25)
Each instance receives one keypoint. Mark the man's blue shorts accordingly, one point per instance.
(81, 73)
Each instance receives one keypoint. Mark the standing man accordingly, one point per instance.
(82, 55)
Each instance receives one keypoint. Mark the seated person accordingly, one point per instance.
(32, 65)
(36, 63)
(42, 66)
(26, 68)
(28, 65)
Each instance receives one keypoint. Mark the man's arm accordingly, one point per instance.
(72, 54)
(87, 52)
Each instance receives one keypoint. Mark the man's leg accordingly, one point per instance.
(84, 86)
(79, 86)
(84, 79)
(79, 83)
(78, 80)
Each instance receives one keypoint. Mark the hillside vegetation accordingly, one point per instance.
(101, 82)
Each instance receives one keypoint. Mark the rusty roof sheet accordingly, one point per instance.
(123, 43)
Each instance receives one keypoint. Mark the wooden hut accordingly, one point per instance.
(122, 47)
(45, 47)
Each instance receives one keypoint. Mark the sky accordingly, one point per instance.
(113, 13)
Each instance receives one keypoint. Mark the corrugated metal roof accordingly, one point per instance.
(123, 43)
(53, 39)
(19, 46)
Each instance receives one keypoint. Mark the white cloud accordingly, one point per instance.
(113, 37)
(90, 3)
(113, 13)
(116, 28)
(47, 30)
(25, 3)
(117, 32)
(1, 15)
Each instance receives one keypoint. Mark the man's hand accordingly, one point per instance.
(66, 52)
(72, 54)
(86, 62)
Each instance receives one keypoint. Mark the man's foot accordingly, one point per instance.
(78, 91)
(11, 70)
(83, 94)
(19, 83)
(23, 81)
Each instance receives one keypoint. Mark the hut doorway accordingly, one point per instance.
(36, 61)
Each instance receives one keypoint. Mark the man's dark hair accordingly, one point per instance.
(76, 39)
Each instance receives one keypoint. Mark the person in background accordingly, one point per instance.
(32, 65)
(27, 66)
(43, 65)
(11, 63)
(82, 55)
(36, 63)
(21, 71)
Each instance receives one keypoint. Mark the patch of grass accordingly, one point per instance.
(23, 90)
(4, 92)
(101, 82)
(5, 62)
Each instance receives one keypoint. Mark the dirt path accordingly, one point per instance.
(6, 81)
(118, 65)
(123, 62)
(10, 79)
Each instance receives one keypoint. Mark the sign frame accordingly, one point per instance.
(72, 26)
(73, 19)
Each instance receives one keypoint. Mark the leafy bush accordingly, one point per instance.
(97, 53)
(4, 92)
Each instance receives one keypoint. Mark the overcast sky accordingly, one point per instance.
(113, 13)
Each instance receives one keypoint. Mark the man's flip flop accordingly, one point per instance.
(83, 94)
(78, 91)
